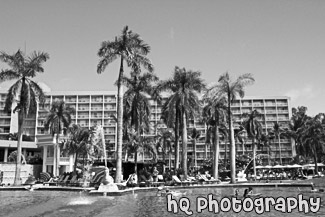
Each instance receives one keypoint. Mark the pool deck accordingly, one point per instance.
(92, 191)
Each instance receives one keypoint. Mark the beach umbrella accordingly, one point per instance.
(45, 177)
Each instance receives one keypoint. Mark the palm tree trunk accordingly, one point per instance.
(194, 152)
(164, 156)
(104, 144)
(57, 169)
(280, 150)
(206, 143)
(177, 140)
(119, 125)
(254, 157)
(315, 159)
(75, 161)
(184, 145)
(21, 118)
(216, 153)
(232, 144)
(136, 161)
(268, 154)
(170, 157)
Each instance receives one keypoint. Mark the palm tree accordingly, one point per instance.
(296, 124)
(230, 89)
(138, 111)
(172, 118)
(194, 136)
(130, 48)
(265, 141)
(239, 134)
(77, 142)
(217, 109)
(254, 130)
(185, 87)
(313, 137)
(24, 94)
(165, 136)
(58, 120)
(277, 132)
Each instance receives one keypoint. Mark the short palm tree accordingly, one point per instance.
(254, 130)
(172, 118)
(165, 136)
(77, 142)
(184, 87)
(24, 94)
(277, 132)
(58, 121)
(296, 124)
(230, 89)
(132, 50)
(313, 137)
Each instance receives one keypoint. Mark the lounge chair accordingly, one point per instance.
(73, 181)
(54, 181)
(65, 180)
(179, 182)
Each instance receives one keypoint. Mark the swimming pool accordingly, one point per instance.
(62, 203)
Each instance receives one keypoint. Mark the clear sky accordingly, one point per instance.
(281, 42)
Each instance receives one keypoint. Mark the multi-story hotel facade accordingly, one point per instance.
(99, 107)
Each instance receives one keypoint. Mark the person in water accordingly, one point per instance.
(248, 192)
(237, 192)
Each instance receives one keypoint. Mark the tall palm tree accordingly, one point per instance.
(254, 130)
(132, 50)
(77, 142)
(24, 94)
(139, 112)
(58, 121)
(216, 107)
(184, 87)
(230, 89)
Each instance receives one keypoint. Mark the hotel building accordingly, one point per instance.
(99, 107)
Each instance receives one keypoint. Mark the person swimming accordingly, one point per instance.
(248, 192)
(237, 192)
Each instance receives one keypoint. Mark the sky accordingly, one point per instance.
(281, 42)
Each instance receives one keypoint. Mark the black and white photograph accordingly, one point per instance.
(127, 108)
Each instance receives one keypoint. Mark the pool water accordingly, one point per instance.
(60, 203)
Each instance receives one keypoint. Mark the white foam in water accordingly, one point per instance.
(81, 201)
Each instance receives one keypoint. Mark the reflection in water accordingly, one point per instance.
(43, 203)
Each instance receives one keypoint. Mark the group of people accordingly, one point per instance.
(144, 176)
(247, 192)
